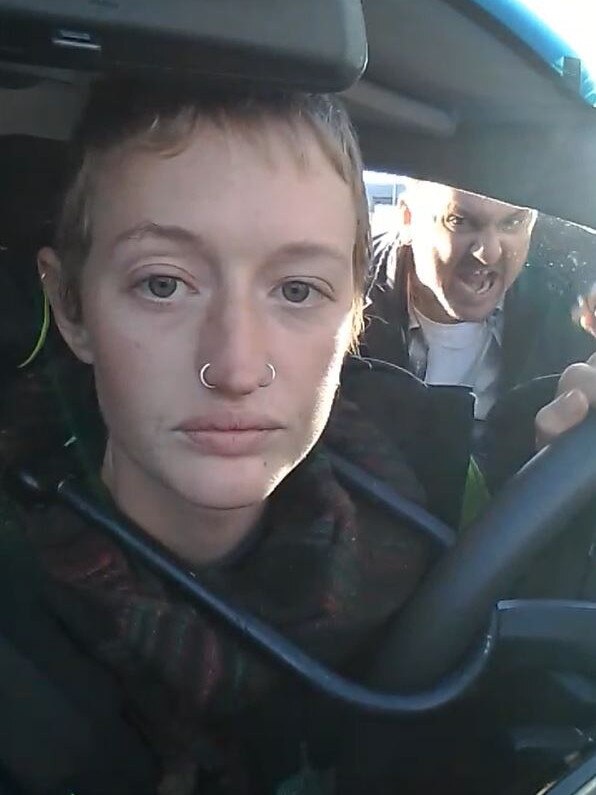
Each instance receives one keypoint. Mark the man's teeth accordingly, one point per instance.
(479, 280)
(487, 284)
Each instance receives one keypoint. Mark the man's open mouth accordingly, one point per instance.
(477, 278)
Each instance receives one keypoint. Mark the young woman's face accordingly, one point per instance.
(230, 255)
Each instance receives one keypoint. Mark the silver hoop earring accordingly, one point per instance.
(202, 377)
(273, 374)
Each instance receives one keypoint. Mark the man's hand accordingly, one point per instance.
(576, 394)
(585, 312)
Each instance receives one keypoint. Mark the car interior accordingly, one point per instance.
(439, 90)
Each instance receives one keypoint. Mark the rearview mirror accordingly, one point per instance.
(312, 45)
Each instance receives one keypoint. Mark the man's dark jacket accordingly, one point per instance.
(539, 341)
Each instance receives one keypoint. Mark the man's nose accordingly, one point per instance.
(487, 247)
(233, 341)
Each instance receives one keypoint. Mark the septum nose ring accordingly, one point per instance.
(208, 385)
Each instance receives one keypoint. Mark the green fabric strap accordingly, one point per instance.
(476, 494)
(43, 333)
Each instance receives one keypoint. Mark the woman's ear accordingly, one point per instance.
(74, 332)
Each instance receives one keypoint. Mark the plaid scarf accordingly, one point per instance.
(324, 570)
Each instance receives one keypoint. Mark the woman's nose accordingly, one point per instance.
(234, 345)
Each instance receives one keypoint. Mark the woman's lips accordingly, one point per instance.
(228, 434)
(231, 443)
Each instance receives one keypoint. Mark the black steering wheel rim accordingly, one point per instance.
(444, 617)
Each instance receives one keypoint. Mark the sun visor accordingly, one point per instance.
(317, 45)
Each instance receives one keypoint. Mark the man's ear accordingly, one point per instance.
(74, 332)
(404, 220)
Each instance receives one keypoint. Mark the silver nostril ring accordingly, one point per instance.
(273, 374)
(202, 377)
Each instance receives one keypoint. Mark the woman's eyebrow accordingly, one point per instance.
(169, 232)
(287, 253)
(303, 250)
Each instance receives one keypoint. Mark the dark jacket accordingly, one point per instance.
(539, 342)
(61, 726)
(65, 727)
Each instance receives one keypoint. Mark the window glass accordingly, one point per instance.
(559, 31)
(383, 191)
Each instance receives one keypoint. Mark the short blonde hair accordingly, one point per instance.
(126, 114)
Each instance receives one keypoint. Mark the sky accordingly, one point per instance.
(575, 21)
(380, 177)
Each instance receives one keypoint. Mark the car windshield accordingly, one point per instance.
(558, 31)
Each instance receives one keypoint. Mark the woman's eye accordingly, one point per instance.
(162, 286)
(296, 292)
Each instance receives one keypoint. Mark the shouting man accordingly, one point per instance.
(456, 301)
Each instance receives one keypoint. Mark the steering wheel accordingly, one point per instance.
(430, 638)
(451, 607)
